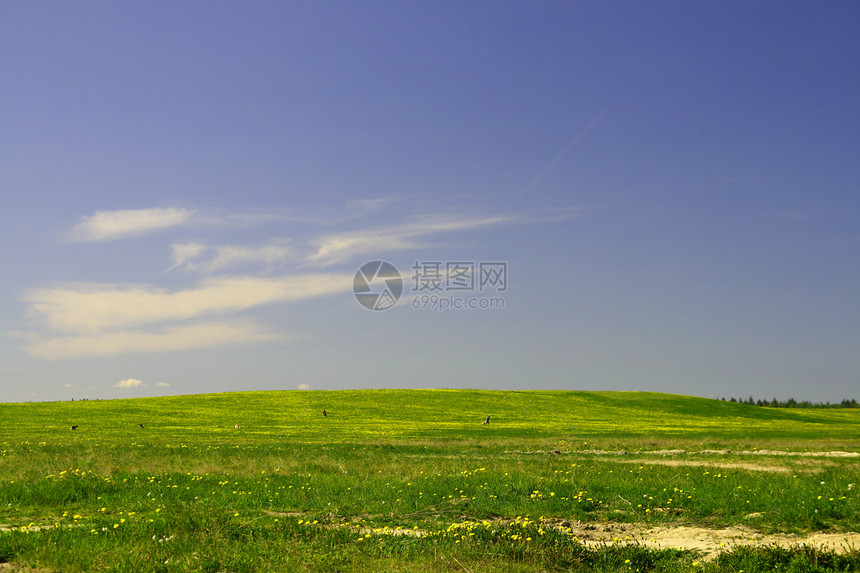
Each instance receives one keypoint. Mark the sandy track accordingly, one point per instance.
(666, 458)
(830, 454)
(709, 542)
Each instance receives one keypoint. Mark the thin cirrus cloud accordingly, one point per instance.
(203, 258)
(328, 249)
(99, 308)
(112, 225)
(339, 247)
(171, 339)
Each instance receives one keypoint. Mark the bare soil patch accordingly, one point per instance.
(662, 455)
(6, 527)
(285, 513)
(724, 465)
(15, 568)
(709, 542)
(781, 453)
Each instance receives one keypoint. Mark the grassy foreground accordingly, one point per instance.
(408, 480)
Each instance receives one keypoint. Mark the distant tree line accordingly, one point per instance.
(792, 403)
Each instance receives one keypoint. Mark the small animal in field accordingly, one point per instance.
(73, 428)
(324, 414)
(486, 422)
(140, 426)
(236, 426)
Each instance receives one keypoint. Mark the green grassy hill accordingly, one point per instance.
(291, 490)
(579, 419)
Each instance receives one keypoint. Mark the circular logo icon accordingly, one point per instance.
(377, 285)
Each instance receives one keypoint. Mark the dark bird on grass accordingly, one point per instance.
(73, 428)
(140, 426)
(486, 422)
(324, 414)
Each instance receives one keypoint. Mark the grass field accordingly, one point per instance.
(409, 480)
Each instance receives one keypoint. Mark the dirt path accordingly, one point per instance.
(723, 465)
(709, 542)
(831, 454)
(13, 568)
(666, 458)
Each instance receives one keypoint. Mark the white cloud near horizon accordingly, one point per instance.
(172, 339)
(112, 225)
(162, 384)
(98, 308)
(129, 383)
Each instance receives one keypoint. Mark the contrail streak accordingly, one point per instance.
(554, 161)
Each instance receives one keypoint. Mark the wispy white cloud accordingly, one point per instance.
(111, 225)
(336, 248)
(169, 340)
(162, 384)
(303, 387)
(328, 249)
(99, 308)
(202, 258)
(183, 253)
(372, 204)
(87, 320)
(129, 383)
(339, 247)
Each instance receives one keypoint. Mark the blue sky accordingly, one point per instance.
(188, 190)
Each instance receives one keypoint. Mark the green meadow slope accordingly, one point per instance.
(577, 420)
(410, 480)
